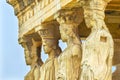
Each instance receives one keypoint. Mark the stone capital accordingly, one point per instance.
(69, 16)
(49, 30)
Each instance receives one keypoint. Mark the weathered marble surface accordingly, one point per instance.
(70, 59)
(49, 33)
(98, 48)
(91, 60)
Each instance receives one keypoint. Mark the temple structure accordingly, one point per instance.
(86, 19)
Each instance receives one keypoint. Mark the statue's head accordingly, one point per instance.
(49, 45)
(50, 36)
(68, 31)
(69, 19)
(28, 57)
(23, 41)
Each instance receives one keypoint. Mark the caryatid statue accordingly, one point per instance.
(98, 47)
(49, 33)
(32, 51)
(70, 59)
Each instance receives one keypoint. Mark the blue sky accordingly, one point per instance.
(12, 62)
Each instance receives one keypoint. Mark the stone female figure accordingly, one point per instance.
(48, 69)
(98, 47)
(69, 60)
(50, 36)
(32, 51)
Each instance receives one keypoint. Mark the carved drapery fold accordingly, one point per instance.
(98, 47)
(70, 58)
(49, 32)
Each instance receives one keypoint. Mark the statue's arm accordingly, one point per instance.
(109, 64)
(77, 51)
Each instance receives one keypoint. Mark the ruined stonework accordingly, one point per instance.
(90, 28)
